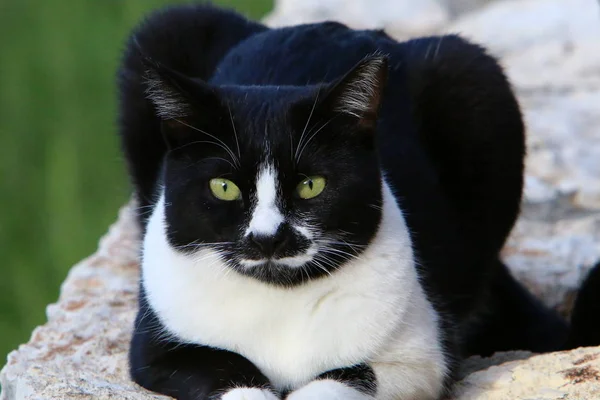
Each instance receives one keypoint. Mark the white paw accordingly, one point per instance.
(249, 394)
(327, 390)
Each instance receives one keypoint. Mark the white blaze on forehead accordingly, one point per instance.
(266, 216)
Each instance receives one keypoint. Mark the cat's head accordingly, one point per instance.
(282, 182)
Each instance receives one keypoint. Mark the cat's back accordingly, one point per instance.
(301, 55)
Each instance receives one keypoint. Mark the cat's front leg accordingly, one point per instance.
(189, 371)
(353, 383)
(382, 380)
(201, 373)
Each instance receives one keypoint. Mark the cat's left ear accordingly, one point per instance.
(359, 93)
(174, 95)
(183, 104)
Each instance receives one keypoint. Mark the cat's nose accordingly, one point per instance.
(268, 245)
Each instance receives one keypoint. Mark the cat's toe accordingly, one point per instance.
(249, 394)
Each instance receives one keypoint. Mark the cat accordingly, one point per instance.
(322, 210)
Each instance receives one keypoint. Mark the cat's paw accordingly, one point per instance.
(327, 389)
(248, 394)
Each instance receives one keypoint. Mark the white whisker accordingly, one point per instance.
(224, 145)
(306, 126)
(234, 132)
(312, 136)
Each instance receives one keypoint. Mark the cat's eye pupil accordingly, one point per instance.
(310, 187)
(224, 189)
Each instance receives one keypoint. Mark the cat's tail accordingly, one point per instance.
(585, 319)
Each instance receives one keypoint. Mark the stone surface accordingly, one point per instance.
(401, 17)
(81, 351)
(550, 51)
(510, 26)
(573, 375)
(458, 7)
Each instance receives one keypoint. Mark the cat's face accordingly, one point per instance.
(283, 183)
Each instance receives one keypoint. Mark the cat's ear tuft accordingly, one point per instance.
(360, 91)
(168, 102)
(182, 103)
(168, 90)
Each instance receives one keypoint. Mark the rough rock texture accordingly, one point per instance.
(573, 375)
(81, 351)
(550, 51)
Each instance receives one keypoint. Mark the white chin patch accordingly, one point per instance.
(299, 260)
(291, 262)
(246, 263)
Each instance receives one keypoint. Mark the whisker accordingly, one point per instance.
(204, 141)
(140, 208)
(217, 158)
(312, 136)
(234, 131)
(342, 242)
(225, 147)
(343, 254)
(306, 126)
(321, 267)
(437, 50)
(202, 244)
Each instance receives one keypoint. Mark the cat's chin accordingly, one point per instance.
(280, 273)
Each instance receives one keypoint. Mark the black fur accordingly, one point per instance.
(360, 377)
(585, 320)
(446, 132)
(190, 39)
(185, 371)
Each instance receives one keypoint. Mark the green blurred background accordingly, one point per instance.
(62, 175)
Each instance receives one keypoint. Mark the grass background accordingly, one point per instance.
(62, 177)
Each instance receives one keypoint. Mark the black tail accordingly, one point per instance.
(585, 320)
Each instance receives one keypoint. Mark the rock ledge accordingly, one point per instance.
(81, 352)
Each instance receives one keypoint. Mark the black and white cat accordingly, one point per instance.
(322, 209)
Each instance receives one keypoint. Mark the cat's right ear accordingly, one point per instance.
(359, 93)
(179, 101)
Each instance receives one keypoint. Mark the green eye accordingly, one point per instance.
(311, 187)
(224, 189)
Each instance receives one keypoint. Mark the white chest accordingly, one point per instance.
(294, 334)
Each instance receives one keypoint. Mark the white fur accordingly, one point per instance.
(292, 262)
(373, 310)
(304, 231)
(358, 98)
(327, 389)
(299, 260)
(266, 216)
(168, 102)
(249, 394)
(252, 263)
